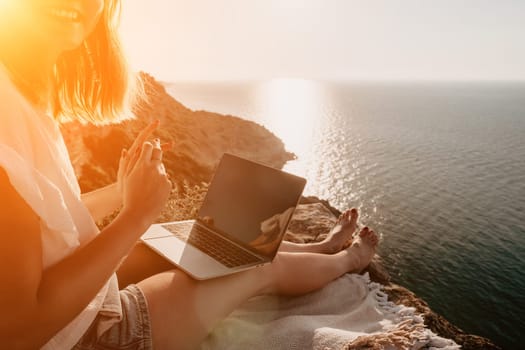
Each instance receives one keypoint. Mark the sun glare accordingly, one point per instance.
(293, 110)
(8, 5)
(3, 5)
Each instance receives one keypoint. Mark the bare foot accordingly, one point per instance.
(341, 234)
(296, 273)
(362, 250)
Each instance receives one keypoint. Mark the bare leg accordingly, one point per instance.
(337, 239)
(292, 278)
(183, 310)
(141, 263)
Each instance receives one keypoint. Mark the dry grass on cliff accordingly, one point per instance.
(184, 202)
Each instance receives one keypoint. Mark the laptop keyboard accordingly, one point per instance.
(217, 247)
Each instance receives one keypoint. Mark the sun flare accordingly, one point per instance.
(292, 110)
(4, 5)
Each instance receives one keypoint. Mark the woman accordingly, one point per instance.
(59, 60)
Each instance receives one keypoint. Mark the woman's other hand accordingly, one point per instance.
(129, 157)
(146, 186)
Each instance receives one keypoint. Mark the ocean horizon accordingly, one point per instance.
(437, 168)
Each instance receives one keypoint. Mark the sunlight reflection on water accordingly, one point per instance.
(293, 110)
(290, 108)
(301, 113)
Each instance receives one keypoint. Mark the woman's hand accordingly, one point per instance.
(146, 186)
(129, 157)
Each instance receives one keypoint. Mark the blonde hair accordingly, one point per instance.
(93, 83)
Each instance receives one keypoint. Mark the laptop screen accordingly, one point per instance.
(251, 203)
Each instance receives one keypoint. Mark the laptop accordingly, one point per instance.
(240, 225)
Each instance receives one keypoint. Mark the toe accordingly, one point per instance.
(348, 217)
(364, 232)
(374, 239)
(353, 215)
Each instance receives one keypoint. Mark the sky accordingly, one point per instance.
(200, 40)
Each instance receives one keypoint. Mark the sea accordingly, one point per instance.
(437, 168)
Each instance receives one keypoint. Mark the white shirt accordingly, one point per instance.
(36, 160)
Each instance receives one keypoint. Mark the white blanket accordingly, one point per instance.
(350, 312)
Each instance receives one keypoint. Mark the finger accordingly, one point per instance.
(146, 133)
(121, 165)
(156, 154)
(169, 185)
(132, 160)
(123, 159)
(123, 156)
(143, 136)
(145, 154)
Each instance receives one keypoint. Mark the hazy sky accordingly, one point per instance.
(326, 39)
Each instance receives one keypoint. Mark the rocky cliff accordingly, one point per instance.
(199, 139)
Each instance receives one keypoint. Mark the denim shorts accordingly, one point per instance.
(132, 333)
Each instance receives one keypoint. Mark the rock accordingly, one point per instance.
(437, 323)
(200, 138)
(312, 199)
(310, 223)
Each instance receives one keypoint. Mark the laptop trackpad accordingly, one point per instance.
(190, 259)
